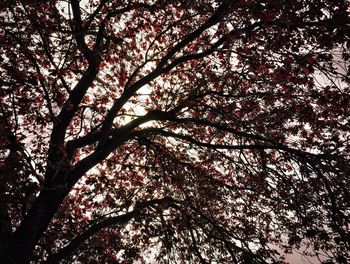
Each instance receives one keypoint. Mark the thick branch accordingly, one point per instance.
(79, 30)
(108, 222)
(93, 137)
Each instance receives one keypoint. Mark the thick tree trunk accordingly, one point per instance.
(34, 224)
(5, 229)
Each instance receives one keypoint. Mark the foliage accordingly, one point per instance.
(194, 131)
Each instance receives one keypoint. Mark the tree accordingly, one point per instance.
(211, 131)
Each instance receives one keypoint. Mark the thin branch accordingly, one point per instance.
(118, 104)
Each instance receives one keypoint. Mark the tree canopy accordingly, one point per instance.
(210, 131)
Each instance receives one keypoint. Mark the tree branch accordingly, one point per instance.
(270, 144)
(108, 222)
(130, 91)
(79, 30)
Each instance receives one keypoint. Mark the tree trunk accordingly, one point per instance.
(24, 240)
(5, 229)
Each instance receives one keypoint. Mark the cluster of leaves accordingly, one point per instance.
(215, 131)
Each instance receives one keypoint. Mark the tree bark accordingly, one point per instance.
(23, 241)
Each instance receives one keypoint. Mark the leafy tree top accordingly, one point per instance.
(206, 131)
